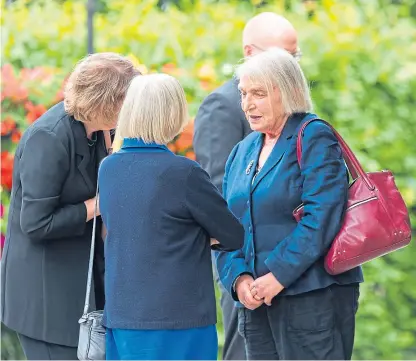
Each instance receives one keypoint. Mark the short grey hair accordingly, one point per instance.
(154, 109)
(275, 67)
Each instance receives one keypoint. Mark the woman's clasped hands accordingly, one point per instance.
(253, 293)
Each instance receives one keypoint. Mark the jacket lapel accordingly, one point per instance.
(274, 158)
(83, 151)
(279, 149)
(251, 159)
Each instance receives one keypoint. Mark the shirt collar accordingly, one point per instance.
(139, 143)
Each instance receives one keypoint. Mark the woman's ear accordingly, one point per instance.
(248, 51)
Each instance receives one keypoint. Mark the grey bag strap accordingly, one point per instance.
(89, 278)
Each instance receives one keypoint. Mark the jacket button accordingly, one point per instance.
(249, 229)
(248, 203)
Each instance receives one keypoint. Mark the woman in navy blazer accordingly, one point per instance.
(290, 308)
(162, 215)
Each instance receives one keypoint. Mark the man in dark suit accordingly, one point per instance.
(220, 124)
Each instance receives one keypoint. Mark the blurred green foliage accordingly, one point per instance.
(359, 56)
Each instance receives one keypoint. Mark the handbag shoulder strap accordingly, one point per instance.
(91, 261)
(351, 160)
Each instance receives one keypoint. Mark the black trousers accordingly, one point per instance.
(317, 325)
(41, 350)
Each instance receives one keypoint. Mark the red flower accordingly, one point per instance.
(172, 147)
(169, 68)
(190, 155)
(2, 240)
(184, 141)
(36, 74)
(172, 69)
(16, 136)
(7, 126)
(11, 86)
(34, 111)
(6, 169)
(206, 85)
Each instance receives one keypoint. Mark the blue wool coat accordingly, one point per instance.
(160, 211)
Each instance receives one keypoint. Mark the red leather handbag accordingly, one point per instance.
(376, 221)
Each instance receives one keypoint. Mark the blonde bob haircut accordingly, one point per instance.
(276, 68)
(154, 110)
(96, 88)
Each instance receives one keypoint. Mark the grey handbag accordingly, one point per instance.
(91, 344)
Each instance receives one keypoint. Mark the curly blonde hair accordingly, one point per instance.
(97, 87)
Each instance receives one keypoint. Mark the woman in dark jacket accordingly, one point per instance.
(160, 211)
(289, 306)
(45, 260)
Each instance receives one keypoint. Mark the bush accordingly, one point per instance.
(358, 55)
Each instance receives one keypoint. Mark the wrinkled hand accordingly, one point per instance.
(266, 288)
(242, 289)
(90, 205)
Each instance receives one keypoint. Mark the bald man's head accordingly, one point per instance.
(268, 30)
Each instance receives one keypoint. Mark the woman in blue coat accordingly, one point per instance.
(290, 308)
(163, 216)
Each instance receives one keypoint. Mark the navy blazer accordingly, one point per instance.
(160, 210)
(274, 241)
(45, 261)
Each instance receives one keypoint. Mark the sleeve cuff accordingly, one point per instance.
(285, 275)
(228, 274)
(233, 290)
(81, 209)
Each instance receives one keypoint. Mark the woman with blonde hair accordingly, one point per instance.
(161, 212)
(45, 260)
(290, 308)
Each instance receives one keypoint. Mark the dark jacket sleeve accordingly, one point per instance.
(210, 210)
(44, 165)
(324, 195)
(218, 128)
(233, 264)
